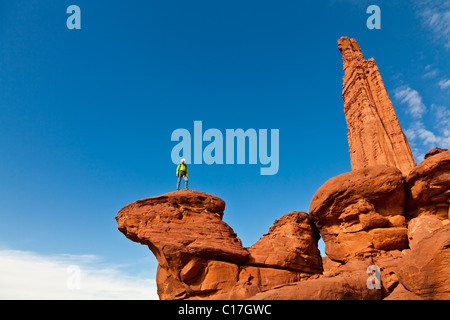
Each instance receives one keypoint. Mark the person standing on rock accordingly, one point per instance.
(182, 172)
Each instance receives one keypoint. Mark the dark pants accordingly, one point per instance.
(182, 174)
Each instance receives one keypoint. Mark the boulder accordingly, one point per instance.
(290, 244)
(361, 212)
(389, 238)
(180, 226)
(400, 293)
(424, 270)
(428, 186)
(421, 227)
(434, 151)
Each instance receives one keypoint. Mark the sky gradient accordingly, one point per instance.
(86, 117)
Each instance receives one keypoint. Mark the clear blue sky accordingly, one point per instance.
(86, 115)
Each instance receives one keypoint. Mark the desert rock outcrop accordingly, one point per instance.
(374, 133)
(361, 213)
(200, 256)
(385, 224)
(428, 185)
(290, 244)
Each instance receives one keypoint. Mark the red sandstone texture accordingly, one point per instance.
(374, 133)
(364, 217)
(387, 213)
(200, 256)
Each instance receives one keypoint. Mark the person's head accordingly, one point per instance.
(183, 161)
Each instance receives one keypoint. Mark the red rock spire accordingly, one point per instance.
(374, 133)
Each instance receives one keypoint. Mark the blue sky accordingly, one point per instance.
(86, 116)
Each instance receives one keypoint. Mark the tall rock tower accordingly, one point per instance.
(374, 133)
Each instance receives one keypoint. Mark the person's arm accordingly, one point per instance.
(187, 175)
(178, 170)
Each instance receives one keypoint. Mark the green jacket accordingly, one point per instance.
(182, 167)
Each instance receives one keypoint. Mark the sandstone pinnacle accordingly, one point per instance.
(374, 133)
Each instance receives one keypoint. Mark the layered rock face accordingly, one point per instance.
(429, 185)
(290, 244)
(385, 224)
(374, 216)
(367, 217)
(374, 133)
(361, 213)
(200, 256)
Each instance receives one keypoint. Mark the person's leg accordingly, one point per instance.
(179, 179)
(186, 184)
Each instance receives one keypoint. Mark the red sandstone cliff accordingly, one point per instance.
(387, 212)
(200, 256)
(367, 217)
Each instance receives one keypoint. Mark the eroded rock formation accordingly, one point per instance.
(370, 216)
(364, 220)
(387, 214)
(374, 133)
(200, 256)
(361, 213)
